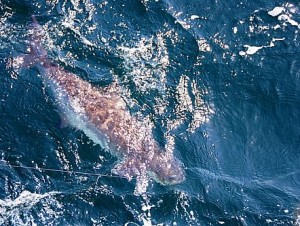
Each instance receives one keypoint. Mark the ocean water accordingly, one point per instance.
(219, 79)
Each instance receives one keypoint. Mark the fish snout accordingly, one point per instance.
(169, 172)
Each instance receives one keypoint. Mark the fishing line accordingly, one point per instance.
(5, 163)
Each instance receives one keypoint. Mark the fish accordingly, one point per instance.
(103, 116)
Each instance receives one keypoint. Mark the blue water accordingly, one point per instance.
(219, 80)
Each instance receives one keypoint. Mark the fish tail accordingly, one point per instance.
(37, 52)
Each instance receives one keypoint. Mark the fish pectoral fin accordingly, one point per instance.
(64, 122)
(127, 169)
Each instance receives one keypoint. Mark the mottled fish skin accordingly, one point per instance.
(103, 116)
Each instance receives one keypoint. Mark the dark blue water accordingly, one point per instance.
(219, 80)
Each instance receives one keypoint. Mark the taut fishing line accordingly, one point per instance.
(5, 163)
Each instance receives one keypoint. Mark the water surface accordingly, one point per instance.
(219, 80)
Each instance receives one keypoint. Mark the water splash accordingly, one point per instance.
(190, 102)
(142, 211)
(297, 216)
(146, 62)
(145, 215)
(183, 205)
(20, 210)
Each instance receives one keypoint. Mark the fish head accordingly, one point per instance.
(168, 170)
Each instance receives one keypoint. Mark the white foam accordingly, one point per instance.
(277, 26)
(147, 207)
(203, 45)
(235, 29)
(25, 198)
(250, 50)
(272, 43)
(193, 17)
(17, 210)
(276, 11)
(183, 203)
(145, 215)
(288, 19)
(284, 13)
(146, 62)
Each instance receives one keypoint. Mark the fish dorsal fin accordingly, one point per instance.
(36, 53)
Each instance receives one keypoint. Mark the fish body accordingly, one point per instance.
(103, 116)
